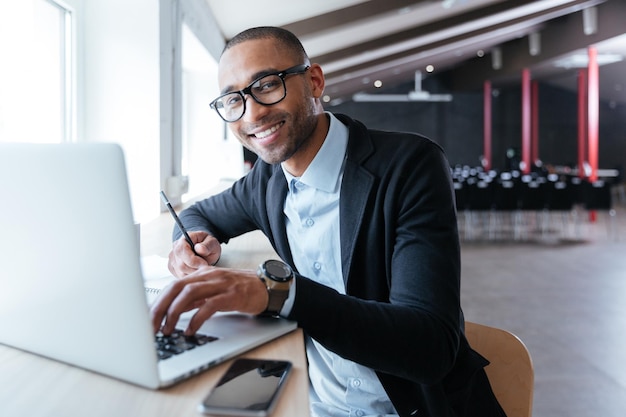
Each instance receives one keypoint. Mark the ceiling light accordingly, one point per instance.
(534, 43)
(590, 21)
(496, 58)
(378, 83)
(582, 60)
(430, 68)
(416, 95)
(336, 102)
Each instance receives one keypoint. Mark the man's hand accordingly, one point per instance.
(209, 289)
(183, 261)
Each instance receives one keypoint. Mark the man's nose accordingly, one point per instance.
(254, 110)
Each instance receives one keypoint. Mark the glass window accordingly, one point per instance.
(209, 152)
(36, 82)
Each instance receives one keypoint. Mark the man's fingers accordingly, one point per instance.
(188, 294)
(205, 312)
(208, 290)
(160, 308)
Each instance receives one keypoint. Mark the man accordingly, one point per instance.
(365, 218)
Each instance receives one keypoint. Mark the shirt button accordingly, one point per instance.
(317, 266)
(360, 413)
(309, 222)
(356, 383)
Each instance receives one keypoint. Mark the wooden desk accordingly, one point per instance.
(34, 386)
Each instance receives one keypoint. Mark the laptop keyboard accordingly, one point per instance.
(177, 343)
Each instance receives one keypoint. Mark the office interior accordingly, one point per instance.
(142, 73)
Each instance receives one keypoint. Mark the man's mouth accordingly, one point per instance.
(267, 132)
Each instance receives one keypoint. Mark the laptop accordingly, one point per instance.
(71, 281)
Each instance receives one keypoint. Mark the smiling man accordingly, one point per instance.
(365, 224)
(279, 128)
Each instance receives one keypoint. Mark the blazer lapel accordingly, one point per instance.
(356, 188)
(275, 200)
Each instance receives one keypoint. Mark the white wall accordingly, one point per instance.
(119, 61)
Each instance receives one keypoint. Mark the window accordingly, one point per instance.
(197, 150)
(36, 79)
(209, 152)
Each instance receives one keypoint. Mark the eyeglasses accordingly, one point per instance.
(266, 90)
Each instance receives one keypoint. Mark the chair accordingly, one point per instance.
(533, 201)
(597, 197)
(506, 203)
(480, 202)
(510, 372)
(559, 199)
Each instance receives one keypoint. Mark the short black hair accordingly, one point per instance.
(282, 36)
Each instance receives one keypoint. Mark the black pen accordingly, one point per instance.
(177, 220)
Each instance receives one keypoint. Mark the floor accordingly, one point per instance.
(561, 287)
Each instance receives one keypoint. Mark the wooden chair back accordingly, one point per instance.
(510, 371)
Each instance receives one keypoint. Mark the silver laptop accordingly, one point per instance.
(71, 280)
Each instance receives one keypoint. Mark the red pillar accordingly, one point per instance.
(593, 112)
(526, 120)
(487, 124)
(534, 149)
(582, 121)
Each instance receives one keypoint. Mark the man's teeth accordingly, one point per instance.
(267, 132)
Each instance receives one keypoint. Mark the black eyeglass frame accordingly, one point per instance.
(298, 69)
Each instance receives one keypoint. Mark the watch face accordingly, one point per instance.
(277, 270)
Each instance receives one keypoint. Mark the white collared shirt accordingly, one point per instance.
(338, 387)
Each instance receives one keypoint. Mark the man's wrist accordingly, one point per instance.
(278, 278)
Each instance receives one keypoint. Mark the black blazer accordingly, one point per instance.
(401, 266)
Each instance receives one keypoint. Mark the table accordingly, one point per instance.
(34, 386)
(31, 385)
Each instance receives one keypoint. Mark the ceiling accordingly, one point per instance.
(466, 41)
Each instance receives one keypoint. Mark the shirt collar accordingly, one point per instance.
(325, 170)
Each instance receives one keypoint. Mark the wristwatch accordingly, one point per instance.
(277, 277)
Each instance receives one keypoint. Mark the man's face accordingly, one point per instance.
(276, 132)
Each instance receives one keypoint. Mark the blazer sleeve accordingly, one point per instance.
(235, 211)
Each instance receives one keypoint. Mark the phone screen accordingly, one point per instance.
(250, 387)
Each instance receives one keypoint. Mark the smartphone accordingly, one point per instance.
(250, 387)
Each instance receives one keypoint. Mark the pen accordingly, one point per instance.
(177, 220)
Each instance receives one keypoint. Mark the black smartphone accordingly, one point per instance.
(250, 387)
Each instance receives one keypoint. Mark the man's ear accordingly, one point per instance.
(317, 80)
